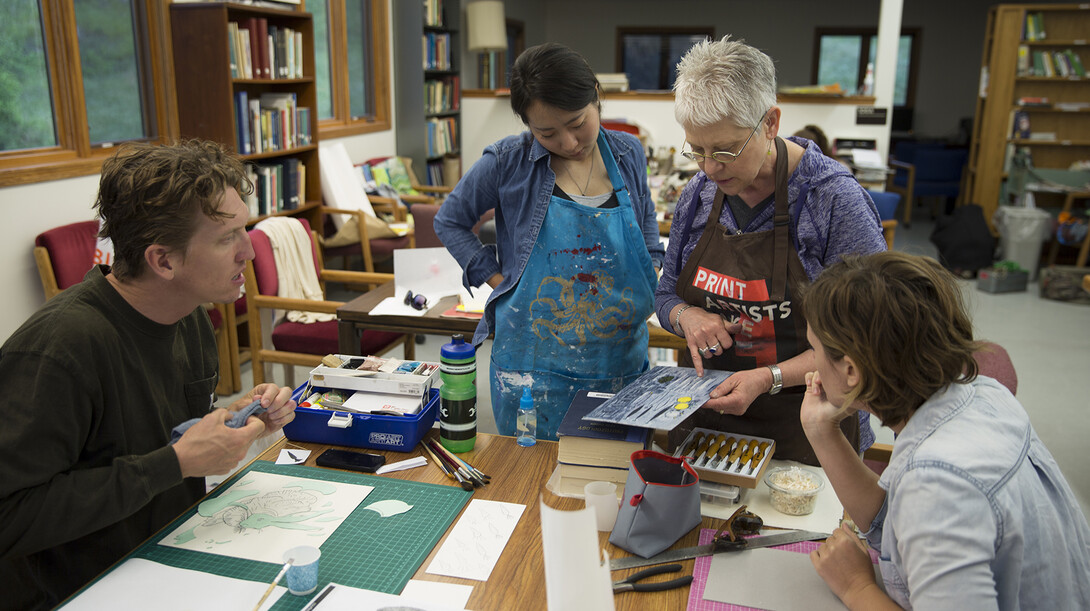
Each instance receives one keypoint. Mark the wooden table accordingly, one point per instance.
(518, 476)
(355, 316)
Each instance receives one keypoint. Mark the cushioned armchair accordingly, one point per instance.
(926, 170)
(298, 343)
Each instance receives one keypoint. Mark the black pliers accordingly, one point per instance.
(629, 584)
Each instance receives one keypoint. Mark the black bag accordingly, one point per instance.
(964, 241)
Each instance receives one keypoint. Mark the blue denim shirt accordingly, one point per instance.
(977, 514)
(514, 177)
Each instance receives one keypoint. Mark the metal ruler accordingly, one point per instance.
(783, 538)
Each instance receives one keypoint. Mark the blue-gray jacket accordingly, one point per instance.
(514, 177)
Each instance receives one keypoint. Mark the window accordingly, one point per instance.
(351, 60)
(842, 56)
(649, 56)
(76, 79)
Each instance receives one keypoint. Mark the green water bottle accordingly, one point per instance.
(458, 395)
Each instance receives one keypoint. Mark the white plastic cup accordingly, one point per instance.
(602, 498)
(303, 574)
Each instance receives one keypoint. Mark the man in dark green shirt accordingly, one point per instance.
(94, 382)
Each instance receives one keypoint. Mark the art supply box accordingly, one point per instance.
(746, 477)
(388, 382)
(373, 431)
(999, 280)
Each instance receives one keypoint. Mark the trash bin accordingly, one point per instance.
(1022, 233)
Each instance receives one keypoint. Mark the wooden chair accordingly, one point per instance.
(414, 192)
(303, 344)
(65, 253)
(933, 171)
(376, 250)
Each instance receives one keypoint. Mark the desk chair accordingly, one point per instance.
(886, 203)
(933, 172)
(992, 360)
(303, 344)
(65, 253)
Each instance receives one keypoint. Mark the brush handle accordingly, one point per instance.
(272, 586)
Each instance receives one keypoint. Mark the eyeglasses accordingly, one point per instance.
(724, 157)
(418, 302)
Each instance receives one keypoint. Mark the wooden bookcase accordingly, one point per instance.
(415, 77)
(1066, 27)
(205, 87)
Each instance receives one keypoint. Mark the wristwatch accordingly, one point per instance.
(777, 379)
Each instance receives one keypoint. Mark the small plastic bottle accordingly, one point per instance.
(868, 80)
(526, 422)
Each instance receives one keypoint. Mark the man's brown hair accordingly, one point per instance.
(150, 194)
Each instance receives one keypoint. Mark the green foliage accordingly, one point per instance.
(26, 111)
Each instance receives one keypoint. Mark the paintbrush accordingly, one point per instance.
(443, 467)
(480, 474)
(275, 581)
(478, 478)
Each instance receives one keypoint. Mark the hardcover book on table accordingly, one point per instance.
(596, 444)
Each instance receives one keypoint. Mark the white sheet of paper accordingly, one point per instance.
(437, 592)
(345, 598)
(244, 521)
(867, 158)
(575, 575)
(431, 272)
(768, 579)
(139, 584)
(395, 306)
(477, 540)
(292, 457)
(825, 519)
(476, 301)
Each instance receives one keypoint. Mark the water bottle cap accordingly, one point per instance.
(526, 399)
(457, 349)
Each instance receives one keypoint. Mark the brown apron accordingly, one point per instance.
(752, 278)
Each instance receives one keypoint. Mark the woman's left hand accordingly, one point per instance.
(844, 563)
(738, 391)
(278, 404)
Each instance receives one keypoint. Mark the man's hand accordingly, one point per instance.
(737, 392)
(210, 447)
(277, 401)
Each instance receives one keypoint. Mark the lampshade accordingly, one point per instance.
(487, 30)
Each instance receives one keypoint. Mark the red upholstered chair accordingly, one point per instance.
(303, 344)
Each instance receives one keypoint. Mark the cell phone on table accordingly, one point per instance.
(353, 461)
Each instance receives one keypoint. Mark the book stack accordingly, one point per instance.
(593, 451)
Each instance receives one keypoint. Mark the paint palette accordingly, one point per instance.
(727, 458)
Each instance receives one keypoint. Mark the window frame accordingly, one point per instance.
(342, 124)
(662, 31)
(74, 155)
(865, 34)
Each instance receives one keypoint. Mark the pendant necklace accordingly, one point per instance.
(590, 174)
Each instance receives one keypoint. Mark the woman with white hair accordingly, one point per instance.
(763, 217)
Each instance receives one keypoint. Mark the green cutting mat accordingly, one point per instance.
(366, 551)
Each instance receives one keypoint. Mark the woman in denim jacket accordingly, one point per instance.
(972, 511)
(577, 244)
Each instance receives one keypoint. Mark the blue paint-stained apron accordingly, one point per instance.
(576, 318)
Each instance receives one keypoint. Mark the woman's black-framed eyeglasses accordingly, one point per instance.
(418, 302)
(724, 157)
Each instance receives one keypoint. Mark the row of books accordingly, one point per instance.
(278, 186)
(436, 47)
(445, 171)
(262, 51)
(1066, 63)
(1034, 27)
(442, 136)
(442, 95)
(433, 13)
(272, 122)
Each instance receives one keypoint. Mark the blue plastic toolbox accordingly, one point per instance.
(374, 431)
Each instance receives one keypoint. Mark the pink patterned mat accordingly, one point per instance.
(704, 564)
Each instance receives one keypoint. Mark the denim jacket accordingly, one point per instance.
(514, 177)
(977, 514)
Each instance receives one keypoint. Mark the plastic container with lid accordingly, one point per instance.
(458, 395)
(794, 490)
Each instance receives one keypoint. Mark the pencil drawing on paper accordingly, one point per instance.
(264, 513)
(661, 398)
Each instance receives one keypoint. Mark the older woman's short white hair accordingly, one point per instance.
(723, 79)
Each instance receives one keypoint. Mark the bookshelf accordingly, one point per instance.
(259, 100)
(428, 83)
(1013, 87)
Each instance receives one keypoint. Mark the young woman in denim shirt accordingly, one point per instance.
(972, 511)
(577, 243)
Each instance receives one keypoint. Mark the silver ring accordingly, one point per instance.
(714, 348)
(702, 350)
